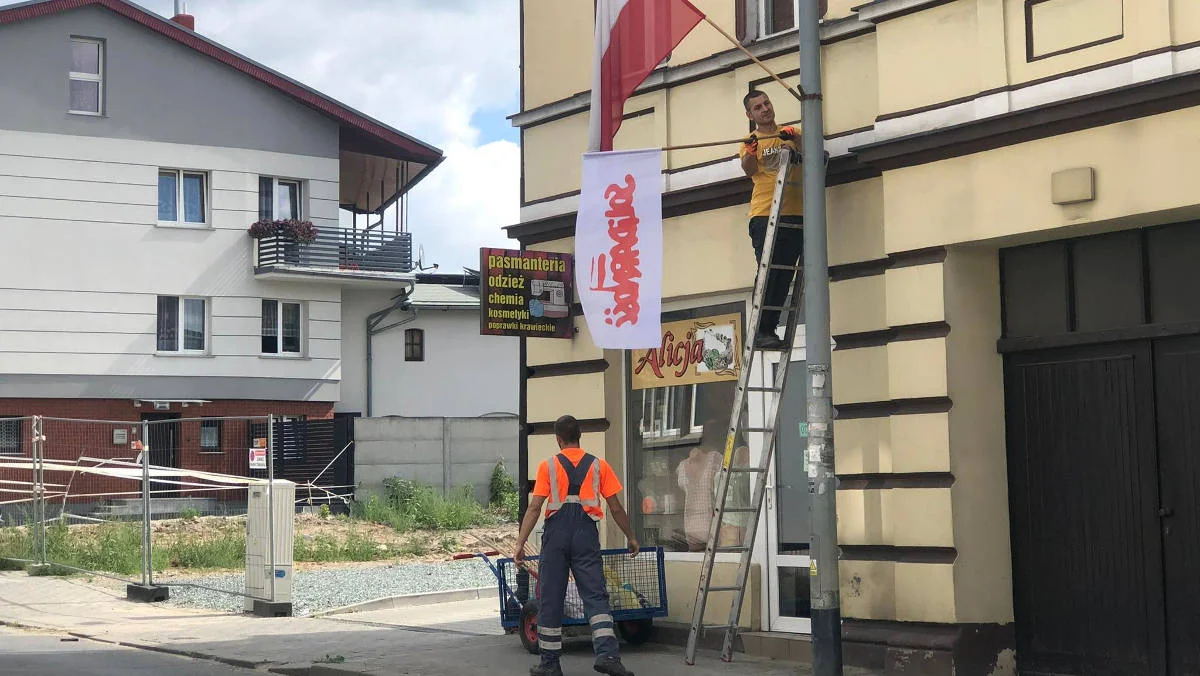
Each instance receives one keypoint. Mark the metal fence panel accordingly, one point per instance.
(199, 518)
(92, 508)
(19, 502)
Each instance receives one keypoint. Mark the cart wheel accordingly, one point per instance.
(636, 632)
(529, 627)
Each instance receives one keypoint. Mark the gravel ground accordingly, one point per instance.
(320, 590)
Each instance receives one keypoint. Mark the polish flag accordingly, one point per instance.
(632, 38)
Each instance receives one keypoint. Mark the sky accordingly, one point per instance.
(444, 71)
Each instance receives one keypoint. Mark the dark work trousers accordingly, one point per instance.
(789, 250)
(571, 543)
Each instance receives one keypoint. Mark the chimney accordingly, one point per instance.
(182, 17)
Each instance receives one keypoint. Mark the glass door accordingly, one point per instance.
(786, 504)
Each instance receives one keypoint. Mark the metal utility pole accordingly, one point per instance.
(826, 602)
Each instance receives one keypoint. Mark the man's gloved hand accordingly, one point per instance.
(788, 133)
(751, 145)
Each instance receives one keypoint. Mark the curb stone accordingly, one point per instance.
(411, 600)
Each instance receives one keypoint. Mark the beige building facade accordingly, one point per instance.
(1014, 307)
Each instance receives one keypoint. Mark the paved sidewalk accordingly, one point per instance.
(441, 640)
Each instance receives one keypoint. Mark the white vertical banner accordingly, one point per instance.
(618, 248)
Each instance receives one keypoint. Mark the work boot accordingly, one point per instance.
(612, 666)
(768, 341)
(546, 670)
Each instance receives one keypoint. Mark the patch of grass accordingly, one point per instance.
(412, 504)
(377, 511)
(331, 659)
(228, 550)
(189, 514)
(504, 499)
(449, 544)
(51, 570)
(324, 512)
(10, 565)
(324, 548)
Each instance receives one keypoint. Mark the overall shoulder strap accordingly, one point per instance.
(576, 473)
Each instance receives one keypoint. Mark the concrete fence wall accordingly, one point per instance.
(444, 452)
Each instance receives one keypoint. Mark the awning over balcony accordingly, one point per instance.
(375, 173)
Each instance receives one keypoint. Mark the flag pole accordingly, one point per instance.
(710, 144)
(798, 92)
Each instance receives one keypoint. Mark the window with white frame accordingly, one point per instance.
(10, 435)
(282, 325)
(182, 197)
(777, 16)
(210, 435)
(87, 77)
(278, 199)
(182, 324)
(668, 412)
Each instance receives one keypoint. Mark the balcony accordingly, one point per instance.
(355, 257)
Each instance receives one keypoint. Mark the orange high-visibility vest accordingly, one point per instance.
(574, 484)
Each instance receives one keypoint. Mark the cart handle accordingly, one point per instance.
(460, 557)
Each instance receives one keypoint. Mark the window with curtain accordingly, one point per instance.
(281, 327)
(278, 199)
(181, 198)
(210, 435)
(87, 77)
(10, 435)
(182, 324)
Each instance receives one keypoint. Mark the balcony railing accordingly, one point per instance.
(342, 249)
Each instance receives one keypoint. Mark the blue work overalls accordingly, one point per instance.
(571, 543)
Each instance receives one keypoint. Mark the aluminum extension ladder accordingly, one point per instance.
(790, 312)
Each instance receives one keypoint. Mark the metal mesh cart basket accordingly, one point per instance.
(636, 592)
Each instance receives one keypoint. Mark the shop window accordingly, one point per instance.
(676, 429)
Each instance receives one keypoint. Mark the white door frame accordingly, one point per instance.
(768, 530)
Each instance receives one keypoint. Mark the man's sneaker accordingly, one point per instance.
(612, 666)
(546, 670)
(768, 341)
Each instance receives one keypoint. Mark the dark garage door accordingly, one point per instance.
(1103, 411)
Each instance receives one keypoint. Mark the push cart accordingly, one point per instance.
(636, 593)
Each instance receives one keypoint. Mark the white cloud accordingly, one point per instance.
(426, 67)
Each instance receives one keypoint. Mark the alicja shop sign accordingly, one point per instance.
(691, 352)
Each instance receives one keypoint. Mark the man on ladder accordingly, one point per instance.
(571, 485)
(760, 161)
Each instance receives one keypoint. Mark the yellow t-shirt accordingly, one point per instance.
(764, 181)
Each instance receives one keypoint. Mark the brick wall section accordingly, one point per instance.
(67, 440)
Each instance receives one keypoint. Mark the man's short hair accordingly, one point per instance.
(567, 429)
(754, 94)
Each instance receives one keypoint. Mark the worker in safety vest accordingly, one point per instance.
(571, 486)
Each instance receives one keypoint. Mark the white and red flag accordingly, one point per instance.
(632, 38)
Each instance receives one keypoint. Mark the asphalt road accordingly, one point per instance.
(41, 654)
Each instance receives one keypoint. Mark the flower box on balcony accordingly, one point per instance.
(302, 232)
